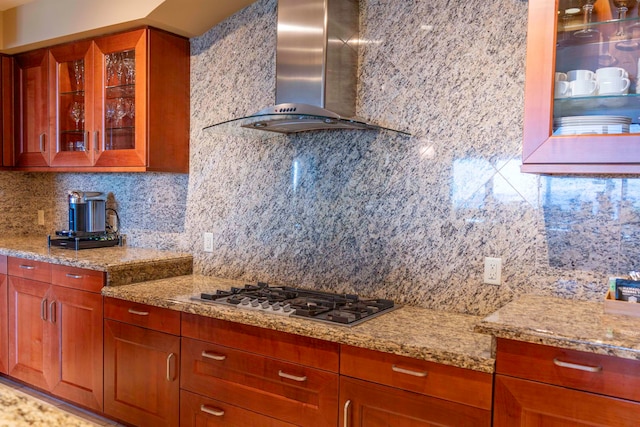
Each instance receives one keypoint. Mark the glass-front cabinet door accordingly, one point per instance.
(71, 99)
(120, 61)
(582, 91)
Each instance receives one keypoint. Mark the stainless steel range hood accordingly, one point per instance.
(316, 69)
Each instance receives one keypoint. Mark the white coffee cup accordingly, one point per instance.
(618, 86)
(583, 87)
(561, 77)
(581, 75)
(611, 73)
(561, 89)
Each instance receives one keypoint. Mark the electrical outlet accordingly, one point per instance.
(208, 242)
(40, 217)
(492, 270)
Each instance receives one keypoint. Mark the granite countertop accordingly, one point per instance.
(123, 264)
(436, 336)
(577, 325)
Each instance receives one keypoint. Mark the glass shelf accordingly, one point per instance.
(620, 105)
(121, 91)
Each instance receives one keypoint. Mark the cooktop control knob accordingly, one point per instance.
(245, 301)
(255, 302)
(265, 304)
(286, 308)
(276, 306)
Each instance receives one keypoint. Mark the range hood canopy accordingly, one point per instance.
(316, 70)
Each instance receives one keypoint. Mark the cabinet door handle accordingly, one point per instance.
(52, 312)
(400, 370)
(73, 276)
(138, 313)
(212, 411)
(346, 413)
(42, 142)
(27, 267)
(96, 141)
(292, 377)
(576, 366)
(86, 140)
(170, 366)
(218, 357)
(43, 309)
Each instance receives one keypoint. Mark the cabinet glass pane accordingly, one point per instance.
(71, 104)
(596, 70)
(120, 102)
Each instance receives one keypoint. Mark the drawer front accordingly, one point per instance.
(146, 316)
(199, 411)
(293, 393)
(28, 269)
(78, 278)
(428, 378)
(597, 373)
(292, 348)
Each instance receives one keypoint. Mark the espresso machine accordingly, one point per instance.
(88, 226)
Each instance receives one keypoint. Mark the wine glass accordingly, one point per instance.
(76, 113)
(129, 70)
(587, 7)
(78, 71)
(623, 6)
(121, 111)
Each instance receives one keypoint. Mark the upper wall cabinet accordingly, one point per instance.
(582, 95)
(119, 103)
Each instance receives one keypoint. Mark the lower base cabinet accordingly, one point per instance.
(4, 317)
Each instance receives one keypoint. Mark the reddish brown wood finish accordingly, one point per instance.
(446, 382)
(75, 353)
(543, 153)
(292, 348)
(78, 278)
(146, 316)
(294, 393)
(4, 317)
(531, 404)
(614, 377)
(199, 411)
(7, 90)
(32, 141)
(141, 375)
(28, 269)
(366, 404)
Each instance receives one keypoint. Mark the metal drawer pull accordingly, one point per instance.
(292, 377)
(576, 366)
(218, 357)
(346, 413)
(96, 141)
(170, 358)
(400, 370)
(212, 411)
(139, 313)
(42, 136)
(74, 276)
(43, 309)
(27, 267)
(52, 312)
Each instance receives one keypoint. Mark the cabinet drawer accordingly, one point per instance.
(428, 378)
(146, 316)
(77, 278)
(290, 392)
(293, 348)
(199, 411)
(28, 269)
(597, 373)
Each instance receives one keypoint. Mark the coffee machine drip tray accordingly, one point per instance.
(85, 242)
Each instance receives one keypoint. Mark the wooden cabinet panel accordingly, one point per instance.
(33, 270)
(78, 278)
(33, 144)
(293, 348)
(141, 375)
(199, 411)
(75, 321)
(28, 335)
(365, 404)
(294, 393)
(527, 404)
(4, 320)
(601, 374)
(146, 316)
(434, 379)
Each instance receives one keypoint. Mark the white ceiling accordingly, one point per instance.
(8, 4)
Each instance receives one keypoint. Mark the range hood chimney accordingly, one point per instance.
(316, 69)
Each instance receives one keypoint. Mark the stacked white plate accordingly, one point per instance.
(577, 125)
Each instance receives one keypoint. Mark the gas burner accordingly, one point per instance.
(327, 307)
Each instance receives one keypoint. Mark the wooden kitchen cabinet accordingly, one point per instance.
(554, 46)
(118, 103)
(55, 333)
(141, 365)
(4, 317)
(383, 390)
(258, 372)
(540, 385)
